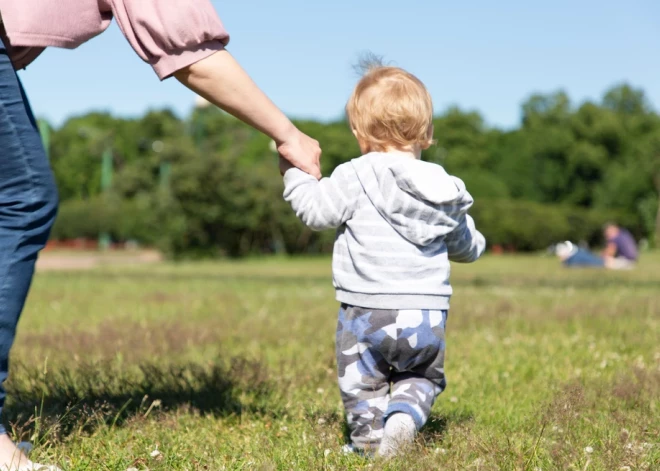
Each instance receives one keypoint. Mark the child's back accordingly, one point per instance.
(400, 221)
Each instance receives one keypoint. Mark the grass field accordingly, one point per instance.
(216, 366)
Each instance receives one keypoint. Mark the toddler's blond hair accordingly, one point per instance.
(390, 109)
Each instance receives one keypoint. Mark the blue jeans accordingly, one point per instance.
(584, 258)
(28, 205)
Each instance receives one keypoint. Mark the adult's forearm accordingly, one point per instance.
(221, 80)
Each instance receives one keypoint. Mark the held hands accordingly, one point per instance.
(301, 151)
(284, 166)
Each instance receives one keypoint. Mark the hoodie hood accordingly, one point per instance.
(420, 200)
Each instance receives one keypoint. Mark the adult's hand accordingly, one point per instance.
(223, 82)
(301, 151)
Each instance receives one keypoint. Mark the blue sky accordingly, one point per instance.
(483, 55)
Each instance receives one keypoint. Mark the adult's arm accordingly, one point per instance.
(185, 38)
(221, 80)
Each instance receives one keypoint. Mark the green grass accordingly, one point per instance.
(231, 366)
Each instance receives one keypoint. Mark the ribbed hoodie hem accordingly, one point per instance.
(394, 301)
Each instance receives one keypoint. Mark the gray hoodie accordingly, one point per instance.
(400, 221)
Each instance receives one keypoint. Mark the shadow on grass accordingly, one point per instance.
(437, 425)
(83, 398)
(596, 282)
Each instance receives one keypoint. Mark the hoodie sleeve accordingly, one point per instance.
(465, 244)
(324, 204)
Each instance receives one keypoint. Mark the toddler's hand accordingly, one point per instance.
(285, 165)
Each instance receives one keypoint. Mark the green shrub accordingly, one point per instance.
(185, 224)
(84, 219)
(122, 219)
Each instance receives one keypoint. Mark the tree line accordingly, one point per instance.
(208, 185)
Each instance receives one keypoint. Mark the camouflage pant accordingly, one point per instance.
(388, 361)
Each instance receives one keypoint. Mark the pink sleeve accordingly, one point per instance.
(170, 34)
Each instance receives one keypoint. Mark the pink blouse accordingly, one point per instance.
(168, 34)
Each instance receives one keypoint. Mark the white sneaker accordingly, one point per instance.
(347, 450)
(400, 431)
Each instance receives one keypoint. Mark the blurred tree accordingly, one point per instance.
(561, 173)
(624, 99)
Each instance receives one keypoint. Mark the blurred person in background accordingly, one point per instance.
(184, 39)
(621, 250)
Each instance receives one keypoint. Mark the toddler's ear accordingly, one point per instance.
(364, 146)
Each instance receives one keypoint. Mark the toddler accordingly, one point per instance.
(400, 221)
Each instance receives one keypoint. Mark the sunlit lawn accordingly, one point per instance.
(230, 365)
